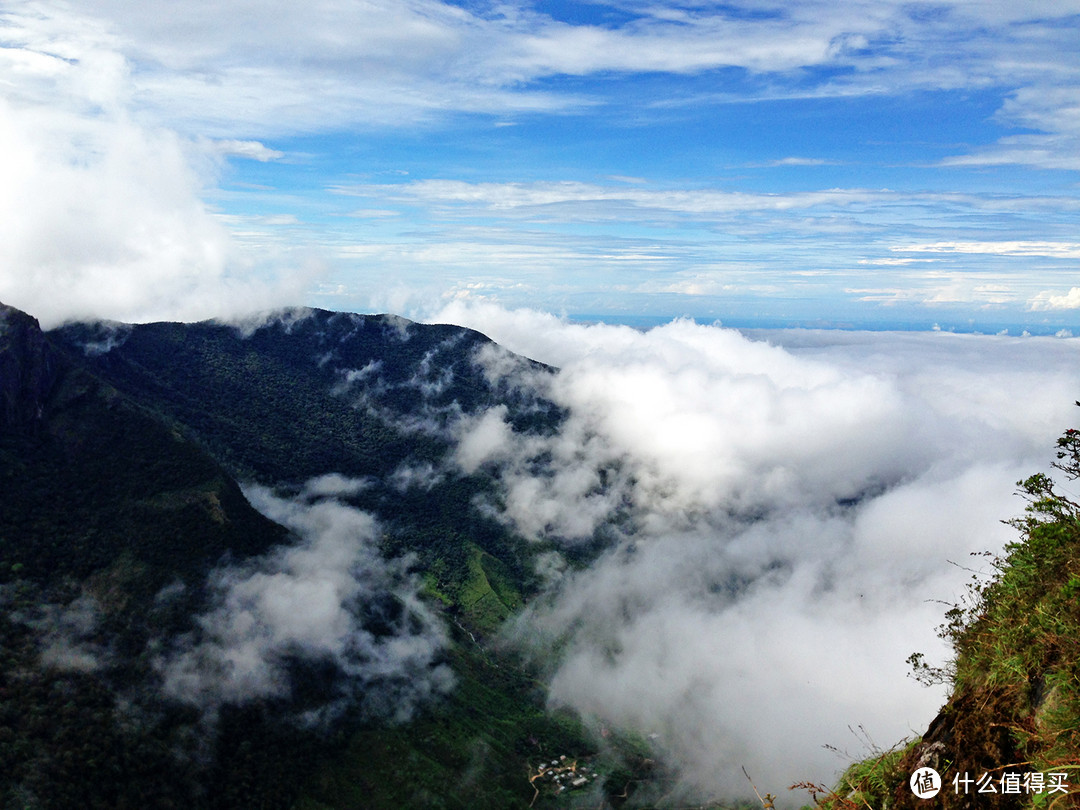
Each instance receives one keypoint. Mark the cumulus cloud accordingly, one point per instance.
(331, 598)
(1049, 300)
(780, 522)
(100, 213)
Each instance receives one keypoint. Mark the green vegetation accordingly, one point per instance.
(487, 596)
(470, 751)
(119, 477)
(869, 783)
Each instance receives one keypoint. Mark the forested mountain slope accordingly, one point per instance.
(166, 644)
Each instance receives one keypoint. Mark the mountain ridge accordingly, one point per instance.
(129, 553)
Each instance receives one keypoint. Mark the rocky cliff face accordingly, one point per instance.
(28, 369)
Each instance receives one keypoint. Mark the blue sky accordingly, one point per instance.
(875, 164)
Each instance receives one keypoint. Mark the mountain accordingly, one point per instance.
(86, 468)
(251, 565)
(166, 643)
(104, 505)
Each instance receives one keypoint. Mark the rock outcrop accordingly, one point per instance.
(29, 368)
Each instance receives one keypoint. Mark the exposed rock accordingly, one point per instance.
(28, 369)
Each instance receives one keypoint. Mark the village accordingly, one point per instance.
(560, 775)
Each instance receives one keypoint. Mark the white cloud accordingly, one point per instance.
(604, 202)
(252, 150)
(69, 635)
(782, 520)
(1039, 151)
(310, 601)
(259, 64)
(800, 161)
(699, 284)
(893, 262)
(1057, 250)
(942, 289)
(1050, 301)
(100, 215)
(333, 485)
(628, 248)
(1050, 105)
(858, 212)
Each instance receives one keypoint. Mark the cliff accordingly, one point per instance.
(28, 369)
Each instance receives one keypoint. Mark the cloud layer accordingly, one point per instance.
(782, 517)
(257, 64)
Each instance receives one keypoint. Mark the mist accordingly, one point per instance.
(783, 524)
(329, 598)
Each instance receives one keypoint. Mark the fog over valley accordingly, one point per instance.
(727, 544)
(785, 522)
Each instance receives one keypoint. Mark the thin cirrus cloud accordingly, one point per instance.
(1059, 250)
(505, 198)
(183, 99)
(261, 64)
(728, 243)
(578, 199)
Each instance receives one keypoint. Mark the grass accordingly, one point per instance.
(487, 596)
(868, 784)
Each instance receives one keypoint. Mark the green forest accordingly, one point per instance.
(124, 453)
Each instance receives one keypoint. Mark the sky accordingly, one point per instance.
(875, 164)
